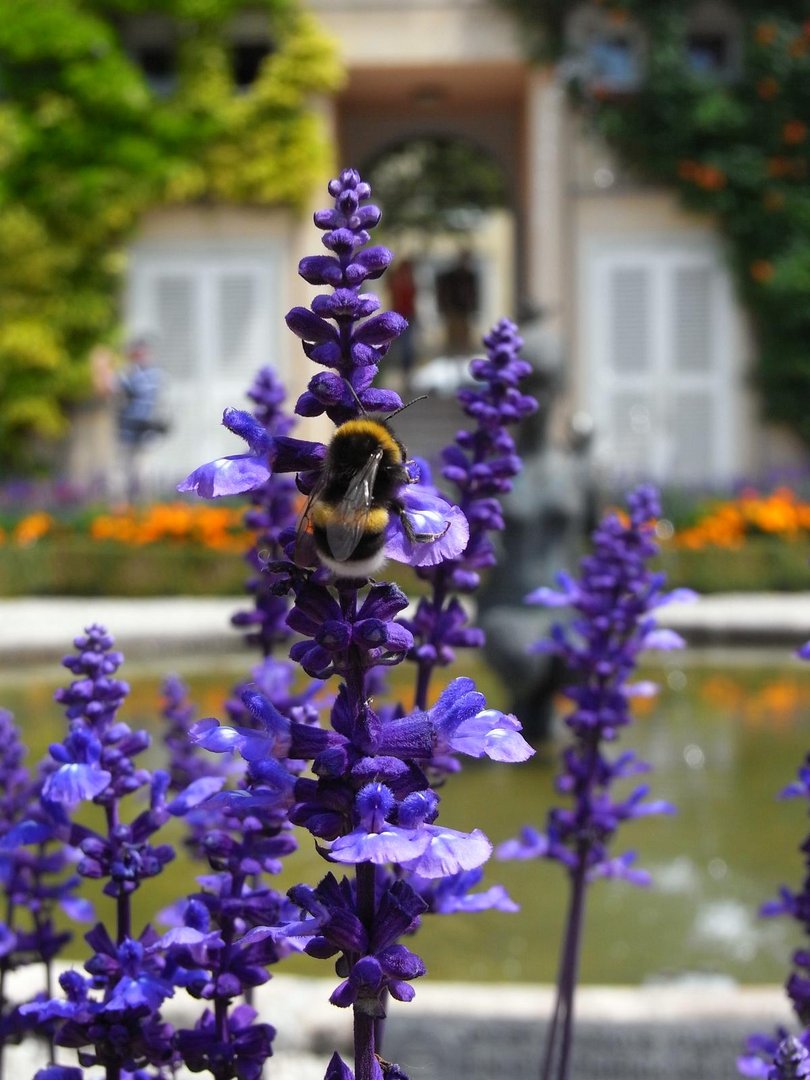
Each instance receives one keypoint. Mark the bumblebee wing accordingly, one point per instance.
(343, 532)
(303, 541)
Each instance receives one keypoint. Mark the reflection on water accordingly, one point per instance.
(727, 733)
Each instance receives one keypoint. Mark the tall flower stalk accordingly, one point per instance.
(613, 601)
(781, 1056)
(273, 510)
(480, 465)
(368, 801)
(35, 881)
(112, 1017)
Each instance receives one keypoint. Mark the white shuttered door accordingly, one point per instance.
(216, 319)
(659, 343)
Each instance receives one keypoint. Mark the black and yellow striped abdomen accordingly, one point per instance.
(363, 475)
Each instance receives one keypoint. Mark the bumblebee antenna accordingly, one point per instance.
(402, 408)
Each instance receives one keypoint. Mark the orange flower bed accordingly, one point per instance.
(32, 528)
(728, 524)
(212, 527)
(782, 702)
(215, 527)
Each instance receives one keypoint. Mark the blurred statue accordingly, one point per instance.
(457, 301)
(548, 513)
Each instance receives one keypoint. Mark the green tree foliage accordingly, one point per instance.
(436, 183)
(734, 144)
(87, 144)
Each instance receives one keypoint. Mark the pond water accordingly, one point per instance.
(727, 732)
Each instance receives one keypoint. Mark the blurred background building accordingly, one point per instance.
(635, 289)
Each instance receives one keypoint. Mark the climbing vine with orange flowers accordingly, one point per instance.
(736, 145)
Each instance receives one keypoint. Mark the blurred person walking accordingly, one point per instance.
(138, 388)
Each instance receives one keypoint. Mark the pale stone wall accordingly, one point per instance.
(419, 31)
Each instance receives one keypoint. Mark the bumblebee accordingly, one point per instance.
(355, 495)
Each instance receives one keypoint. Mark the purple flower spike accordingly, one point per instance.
(118, 1024)
(612, 600)
(343, 332)
(480, 465)
(778, 1057)
(367, 797)
(33, 865)
(791, 1061)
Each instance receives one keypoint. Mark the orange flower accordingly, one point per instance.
(765, 33)
(773, 200)
(712, 178)
(797, 47)
(794, 132)
(722, 692)
(761, 271)
(768, 88)
(618, 16)
(779, 697)
(706, 176)
(32, 528)
(778, 166)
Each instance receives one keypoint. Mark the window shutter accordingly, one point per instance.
(630, 319)
(239, 324)
(662, 379)
(174, 311)
(692, 330)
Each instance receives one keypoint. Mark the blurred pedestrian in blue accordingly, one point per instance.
(138, 390)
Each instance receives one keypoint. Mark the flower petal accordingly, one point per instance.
(392, 845)
(450, 851)
(427, 512)
(491, 734)
(75, 783)
(227, 476)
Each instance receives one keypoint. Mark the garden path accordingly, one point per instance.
(39, 629)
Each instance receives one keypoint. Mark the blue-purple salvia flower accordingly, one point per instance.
(273, 510)
(613, 602)
(768, 1054)
(186, 763)
(368, 800)
(112, 1016)
(34, 881)
(791, 1061)
(217, 938)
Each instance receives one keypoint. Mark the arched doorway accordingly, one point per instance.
(476, 112)
(446, 214)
